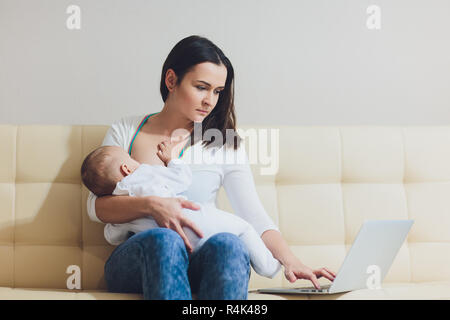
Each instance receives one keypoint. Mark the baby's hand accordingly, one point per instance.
(165, 150)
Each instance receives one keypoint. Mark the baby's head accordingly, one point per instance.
(104, 167)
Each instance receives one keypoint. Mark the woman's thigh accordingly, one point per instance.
(152, 262)
(220, 269)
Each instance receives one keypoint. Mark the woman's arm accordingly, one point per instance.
(278, 246)
(123, 209)
(167, 212)
(294, 269)
(241, 191)
(240, 188)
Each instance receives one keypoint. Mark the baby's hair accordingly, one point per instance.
(96, 172)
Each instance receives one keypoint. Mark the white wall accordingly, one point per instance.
(296, 62)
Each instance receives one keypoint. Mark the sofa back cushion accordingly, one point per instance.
(329, 180)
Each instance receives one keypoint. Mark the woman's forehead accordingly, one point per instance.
(210, 73)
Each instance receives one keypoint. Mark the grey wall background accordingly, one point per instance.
(296, 62)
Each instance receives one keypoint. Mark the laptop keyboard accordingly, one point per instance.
(322, 288)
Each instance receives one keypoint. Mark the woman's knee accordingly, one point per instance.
(229, 245)
(160, 240)
(145, 263)
(221, 269)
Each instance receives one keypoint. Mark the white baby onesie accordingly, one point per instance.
(172, 180)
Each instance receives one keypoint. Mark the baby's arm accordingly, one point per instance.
(179, 175)
(166, 150)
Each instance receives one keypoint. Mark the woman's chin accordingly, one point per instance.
(198, 119)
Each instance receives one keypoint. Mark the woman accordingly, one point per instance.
(197, 88)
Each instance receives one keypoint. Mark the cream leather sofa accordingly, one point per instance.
(330, 179)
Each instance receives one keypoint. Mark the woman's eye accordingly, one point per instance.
(203, 88)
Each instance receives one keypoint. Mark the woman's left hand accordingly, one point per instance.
(295, 270)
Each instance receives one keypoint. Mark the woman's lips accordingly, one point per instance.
(202, 112)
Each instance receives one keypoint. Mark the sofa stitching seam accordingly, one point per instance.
(406, 201)
(341, 158)
(16, 133)
(81, 211)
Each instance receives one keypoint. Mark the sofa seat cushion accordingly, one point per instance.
(57, 294)
(389, 291)
(438, 290)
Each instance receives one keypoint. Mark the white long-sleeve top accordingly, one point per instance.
(211, 168)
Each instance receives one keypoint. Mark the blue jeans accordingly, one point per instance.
(156, 264)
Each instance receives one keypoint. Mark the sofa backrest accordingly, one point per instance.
(330, 179)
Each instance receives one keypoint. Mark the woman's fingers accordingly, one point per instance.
(331, 272)
(291, 276)
(326, 274)
(314, 280)
(180, 231)
(188, 223)
(191, 225)
(323, 273)
(189, 205)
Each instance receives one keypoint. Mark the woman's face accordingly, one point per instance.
(199, 90)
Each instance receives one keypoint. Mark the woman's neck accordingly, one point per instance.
(167, 121)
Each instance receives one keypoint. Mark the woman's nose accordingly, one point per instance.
(208, 100)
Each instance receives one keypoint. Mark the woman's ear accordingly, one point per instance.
(171, 79)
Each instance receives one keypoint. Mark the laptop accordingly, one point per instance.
(373, 251)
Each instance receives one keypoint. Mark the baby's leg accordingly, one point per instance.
(148, 223)
(142, 224)
(202, 221)
(212, 221)
(261, 258)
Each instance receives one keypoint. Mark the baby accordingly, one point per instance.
(110, 170)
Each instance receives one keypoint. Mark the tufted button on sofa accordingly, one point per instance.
(329, 180)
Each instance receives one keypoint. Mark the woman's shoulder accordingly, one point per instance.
(121, 131)
(129, 122)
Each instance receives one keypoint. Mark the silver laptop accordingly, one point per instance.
(373, 251)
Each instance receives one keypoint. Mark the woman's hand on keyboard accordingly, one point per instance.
(295, 270)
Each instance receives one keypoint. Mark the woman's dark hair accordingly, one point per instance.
(182, 58)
